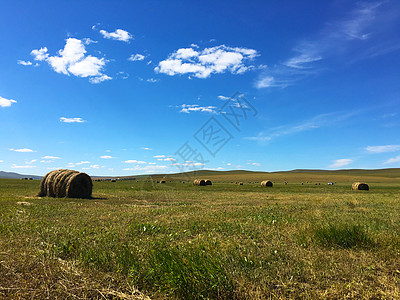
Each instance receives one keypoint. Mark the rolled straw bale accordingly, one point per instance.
(66, 183)
(266, 183)
(162, 181)
(360, 186)
(200, 182)
(208, 182)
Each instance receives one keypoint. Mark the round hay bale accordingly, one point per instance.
(162, 181)
(66, 183)
(208, 182)
(266, 183)
(200, 182)
(360, 186)
(240, 183)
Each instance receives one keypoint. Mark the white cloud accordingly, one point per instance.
(99, 79)
(96, 166)
(134, 161)
(136, 57)
(202, 64)
(83, 162)
(6, 102)
(50, 157)
(106, 157)
(341, 163)
(145, 148)
(188, 108)
(24, 63)
(40, 54)
(72, 120)
(1, 161)
(119, 35)
(72, 60)
(383, 149)
(393, 160)
(159, 156)
(152, 163)
(23, 150)
(14, 166)
(267, 81)
(152, 80)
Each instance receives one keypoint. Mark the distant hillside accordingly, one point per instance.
(11, 175)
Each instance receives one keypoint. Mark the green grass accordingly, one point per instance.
(216, 242)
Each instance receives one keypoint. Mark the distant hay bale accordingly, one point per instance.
(240, 183)
(200, 182)
(208, 182)
(266, 183)
(66, 183)
(162, 181)
(360, 186)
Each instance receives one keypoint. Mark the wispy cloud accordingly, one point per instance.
(383, 149)
(203, 63)
(313, 123)
(339, 163)
(136, 57)
(23, 150)
(14, 166)
(118, 35)
(359, 31)
(71, 120)
(73, 60)
(147, 169)
(393, 160)
(145, 148)
(6, 102)
(107, 157)
(188, 108)
(50, 157)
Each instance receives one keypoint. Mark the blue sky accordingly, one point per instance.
(136, 87)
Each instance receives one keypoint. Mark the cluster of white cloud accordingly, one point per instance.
(202, 64)
(188, 108)
(71, 120)
(73, 60)
(119, 35)
(6, 102)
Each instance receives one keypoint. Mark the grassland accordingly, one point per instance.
(138, 239)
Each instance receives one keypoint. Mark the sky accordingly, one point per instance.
(118, 88)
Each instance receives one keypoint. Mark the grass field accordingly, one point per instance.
(138, 239)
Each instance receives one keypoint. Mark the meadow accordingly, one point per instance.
(137, 239)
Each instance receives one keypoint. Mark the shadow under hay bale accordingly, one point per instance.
(360, 186)
(66, 183)
(266, 183)
(200, 182)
